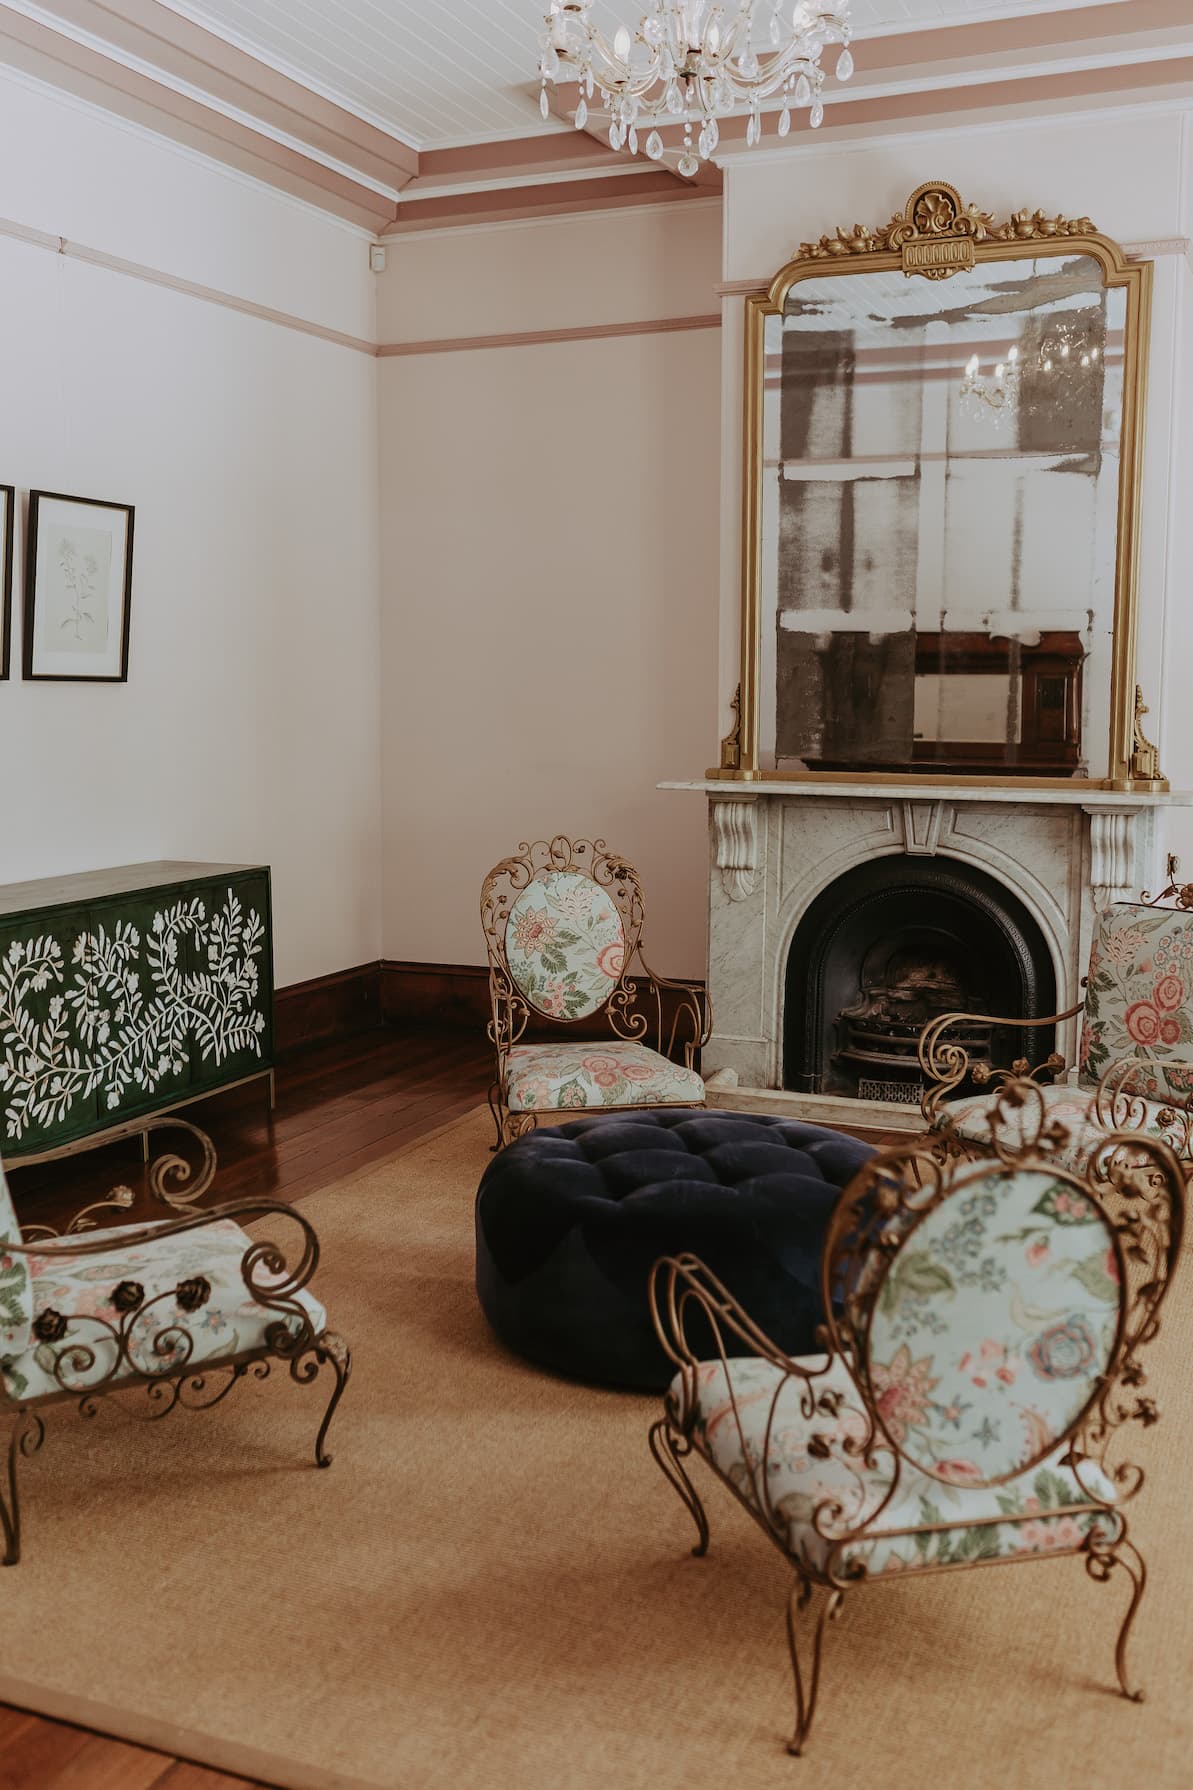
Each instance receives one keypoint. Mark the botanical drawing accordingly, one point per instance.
(79, 576)
(108, 1031)
(74, 590)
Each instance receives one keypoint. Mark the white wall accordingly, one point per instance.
(249, 727)
(549, 555)
(1131, 170)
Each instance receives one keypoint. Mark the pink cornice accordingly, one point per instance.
(157, 35)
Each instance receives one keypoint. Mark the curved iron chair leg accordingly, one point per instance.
(494, 1099)
(805, 1694)
(1100, 1566)
(25, 1438)
(331, 1350)
(670, 1448)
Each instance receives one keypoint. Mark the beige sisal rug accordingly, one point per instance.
(491, 1587)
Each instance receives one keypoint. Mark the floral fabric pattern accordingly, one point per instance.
(76, 1299)
(565, 945)
(552, 1077)
(1073, 1108)
(1139, 998)
(994, 1323)
(16, 1305)
(805, 1463)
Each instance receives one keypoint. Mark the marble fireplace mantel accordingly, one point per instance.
(775, 846)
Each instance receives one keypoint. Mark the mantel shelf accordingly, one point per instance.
(858, 789)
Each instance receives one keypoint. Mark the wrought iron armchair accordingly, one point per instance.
(1134, 1067)
(156, 1316)
(984, 1344)
(563, 929)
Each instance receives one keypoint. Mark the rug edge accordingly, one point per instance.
(192, 1745)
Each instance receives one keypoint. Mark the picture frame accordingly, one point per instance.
(8, 503)
(78, 589)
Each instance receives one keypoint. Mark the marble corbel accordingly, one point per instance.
(1112, 872)
(735, 837)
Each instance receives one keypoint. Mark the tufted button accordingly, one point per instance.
(569, 1222)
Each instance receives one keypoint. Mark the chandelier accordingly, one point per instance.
(1065, 359)
(695, 62)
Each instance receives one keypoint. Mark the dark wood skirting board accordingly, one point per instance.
(452, 996)
(457, 994)
(445, 994)
(327, 1008)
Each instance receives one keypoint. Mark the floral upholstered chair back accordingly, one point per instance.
(989, 1309)
(16, 1298)
(1139, 999)
(994, 1325)
(561, 934)
(565, 945)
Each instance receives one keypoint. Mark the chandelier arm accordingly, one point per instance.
(693, 63)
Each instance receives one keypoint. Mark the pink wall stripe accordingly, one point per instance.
(154, 276)
(529, 338)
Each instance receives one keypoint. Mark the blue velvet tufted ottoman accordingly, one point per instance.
(570, 1221)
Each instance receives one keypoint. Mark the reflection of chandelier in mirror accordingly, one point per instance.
(695, 61)
(1052, 372)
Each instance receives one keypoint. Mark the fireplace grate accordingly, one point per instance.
(894, 1093)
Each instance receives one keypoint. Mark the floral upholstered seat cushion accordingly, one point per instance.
(16, 1304)
(565, 944)
(928, 1522)
(550, 1077)
(1072, 1107)
(1139, 998)
(167, 1288)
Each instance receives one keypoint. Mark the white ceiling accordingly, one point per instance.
(441, 72)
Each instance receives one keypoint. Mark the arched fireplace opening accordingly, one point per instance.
(888, 947)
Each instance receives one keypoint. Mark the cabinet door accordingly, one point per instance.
(138, 962)
(231, 982)
(51, 1031)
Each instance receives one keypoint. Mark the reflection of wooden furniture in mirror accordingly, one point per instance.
(942, 472)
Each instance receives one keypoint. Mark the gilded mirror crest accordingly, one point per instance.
(942, 444)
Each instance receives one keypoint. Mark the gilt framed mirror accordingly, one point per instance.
(943, 434)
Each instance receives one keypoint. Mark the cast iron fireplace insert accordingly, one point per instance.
(886, 948)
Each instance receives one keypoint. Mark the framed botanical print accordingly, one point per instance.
(7, 505)
(78, 586)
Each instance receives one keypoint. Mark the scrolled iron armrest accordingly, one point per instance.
(242, 1211)
(172, 1180)
(683, 1282)
(170, 1176)
(1122, 1107)
(676, 1284)
(946, 1064)
(695, 1008)
(509, 1013)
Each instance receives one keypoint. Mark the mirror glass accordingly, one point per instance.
(940, 512)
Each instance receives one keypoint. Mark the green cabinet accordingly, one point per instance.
(125, 992)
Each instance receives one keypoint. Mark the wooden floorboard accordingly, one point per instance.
(340, 1107)
(103, 1764)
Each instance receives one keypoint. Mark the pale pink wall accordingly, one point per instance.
(597, 267)
(549, 555)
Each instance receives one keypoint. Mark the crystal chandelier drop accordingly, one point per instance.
(695, 62)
